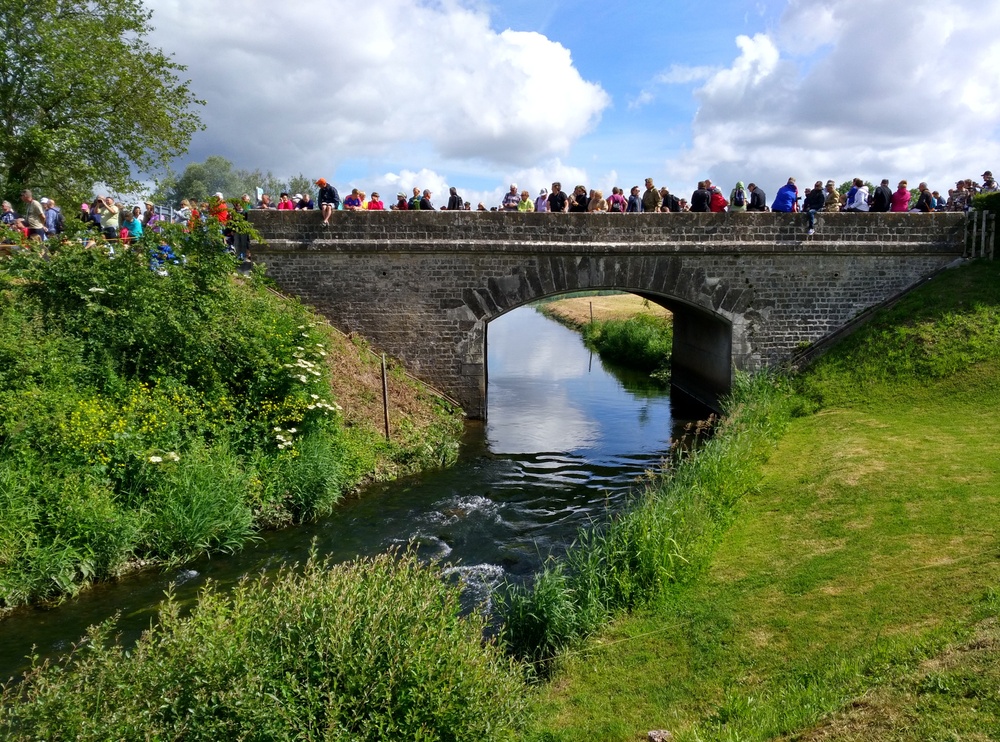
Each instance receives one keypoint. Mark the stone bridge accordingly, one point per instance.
(746, 290)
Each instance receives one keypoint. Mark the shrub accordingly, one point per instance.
(159, 416)
(642, 342)
(372, 650)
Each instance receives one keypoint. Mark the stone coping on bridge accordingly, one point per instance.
(416, 231)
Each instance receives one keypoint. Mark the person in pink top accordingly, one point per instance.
(285, 203)
(376, 203)
(901, 198)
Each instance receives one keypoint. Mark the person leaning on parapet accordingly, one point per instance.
(925, 201)
(414, 202)
(353, 201)
(717, 203)
(425, 201)
(455, 202)
(787, 198)
(558, 201)
(401, 204)
(329, 200)
(542, 201)
(882, 198)
(304, 203)
(634, 201)
(758, 199)
(832, 197)
(701, 199)
(525, 203)
(815, 201)
(670, 201)
(510, 199)
(616, 202)
(958, 199)
(738, 198)
(900, 198)
(859, 201)
(651, 199)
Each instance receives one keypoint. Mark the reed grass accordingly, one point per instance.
(642, 342)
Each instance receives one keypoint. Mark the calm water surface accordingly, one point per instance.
(566, 440)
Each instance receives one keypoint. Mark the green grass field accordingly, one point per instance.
(854, 595)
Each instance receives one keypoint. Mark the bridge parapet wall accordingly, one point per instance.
(747, 290)
(768, 232)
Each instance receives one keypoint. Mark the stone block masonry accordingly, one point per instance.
(746, 290)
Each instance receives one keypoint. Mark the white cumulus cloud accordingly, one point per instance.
(848, 89)
(301, 87)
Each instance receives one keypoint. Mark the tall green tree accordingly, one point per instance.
(84, 98)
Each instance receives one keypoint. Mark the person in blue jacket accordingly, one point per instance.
(787, 198)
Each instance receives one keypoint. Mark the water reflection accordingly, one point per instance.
(565, 441)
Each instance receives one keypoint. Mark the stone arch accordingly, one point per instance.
(710, 332)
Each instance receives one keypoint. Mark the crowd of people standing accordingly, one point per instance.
(43, 220)
(707, 197)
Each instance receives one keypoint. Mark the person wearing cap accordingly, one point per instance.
(542, 202)
(329, 200)
(832, 197)
(989, 185)
(511, 199)
(400, 204)
(455, 202)
(375, 203)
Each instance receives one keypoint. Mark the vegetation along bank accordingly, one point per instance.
(623, 328)
(154, 415)
(854, 594)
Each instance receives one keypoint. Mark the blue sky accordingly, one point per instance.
(477, 94)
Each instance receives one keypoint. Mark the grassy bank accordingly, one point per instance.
(662, 541)
(855, 596)
(153, 416)
(623, 328)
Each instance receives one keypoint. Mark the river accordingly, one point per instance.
(566, 439)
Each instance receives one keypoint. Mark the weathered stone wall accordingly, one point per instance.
(747, 290)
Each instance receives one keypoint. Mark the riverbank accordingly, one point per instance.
(855, 595)
(150, 416)
(624, 329)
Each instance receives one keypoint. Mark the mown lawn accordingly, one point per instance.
(853, 598)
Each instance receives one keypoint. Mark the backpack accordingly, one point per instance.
(616, 205)
(739, 197)
(60, 222)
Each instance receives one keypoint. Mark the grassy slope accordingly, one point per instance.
(839, 602)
